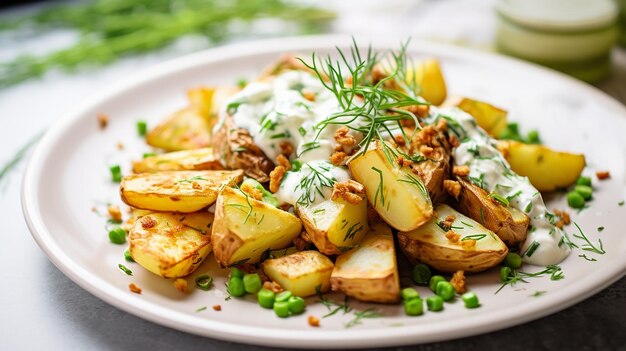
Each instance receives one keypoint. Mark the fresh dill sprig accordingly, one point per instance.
(378, 109)
(18, 157)
(360, 315)
(314, 183)
(589, 246)
(555, 272)
(333, 307)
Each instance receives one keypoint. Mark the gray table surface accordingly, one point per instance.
(40, 308)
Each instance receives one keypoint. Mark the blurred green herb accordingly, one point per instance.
(512, 133)
(111, 29)
(18, 157)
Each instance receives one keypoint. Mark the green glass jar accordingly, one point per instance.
(572, 36)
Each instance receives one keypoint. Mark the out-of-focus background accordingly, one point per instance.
(54, 54)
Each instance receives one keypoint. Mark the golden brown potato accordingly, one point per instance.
(510, 224)
(490, 118)
(179, 191)
(397, 194)
(185, 129)
(237, 150)
(303, 273)
(186, 160)
(475, 249)
(335, 225)
(171, 245)
(369, 272)
(547, 170)
(244, 228)
(435, 167)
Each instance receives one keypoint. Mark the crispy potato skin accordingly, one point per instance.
(369, 272)
(237, 150)
(168, 244)
(436, 168)
(509, 224)
(429, 244)
(490, 118)
(301, 273)
(180, 191)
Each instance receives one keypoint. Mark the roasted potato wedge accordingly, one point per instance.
(179, 191)
(429, 244)
(335, 225)
(169, 244)
(426, 75)
(237, 150)
(547, 170)
(510, 224)
(435, 167)
(201, 99)
(490, 118)
(185, 129)
(398, 195)
(244, 228)
(303, 273)
(186, 160)
(369, 272)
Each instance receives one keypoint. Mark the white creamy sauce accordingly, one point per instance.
(276, 111)
(545, 243)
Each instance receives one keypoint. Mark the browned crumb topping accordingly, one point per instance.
(458, 282)
(286, 148)
(134, 288)
(343, 137)
(114, 212)
(453, 140)
(274, 286)
(283, 161)
(180, 284)
(196, 185)
(276, 176)
(103, 120)
(399, 139)
(120, 145)
(453, 188)
(148, 222)
(468, 244)
(426, 150)
(252, 191)
(217, 308)
(338, 158)
(426, 135)
(403, 162)
(564, 218)
(452, 236)
(461, 171)
(351, 191)
(419, 110)
(309, 95)
(442, 125)
(314, 321)
(602, 175)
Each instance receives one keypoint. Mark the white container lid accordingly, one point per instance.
(560, 15)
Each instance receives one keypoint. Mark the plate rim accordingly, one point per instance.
(313, 338)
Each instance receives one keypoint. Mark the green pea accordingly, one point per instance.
(204, 282)
(421, 274)
(117, 235)
(252, 283)
(266, 298)
(583, 181)
(414, 307)
(283, 296)
(584, 191)
(445, 290)
(116, 173)
(434, 303)
(296, 305)
(409, 293)
(513, 260)
(236, 272)
(127, 256)
(281, 308)
(470, 299)
(434, 280)
(575, 200)
(148, 154)
(235, 287)
(142, 128)
(533, 137)
(504, 273)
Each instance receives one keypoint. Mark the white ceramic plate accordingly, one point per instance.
(68, 175)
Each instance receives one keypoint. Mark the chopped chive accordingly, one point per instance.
(532, 248)
(201, 309)
(600, 229)
(501, 199)
(125, 269)
(148, 154)
(474, 237)
(528, 207)
(204, 282)
(116, 173)
(302, 131)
